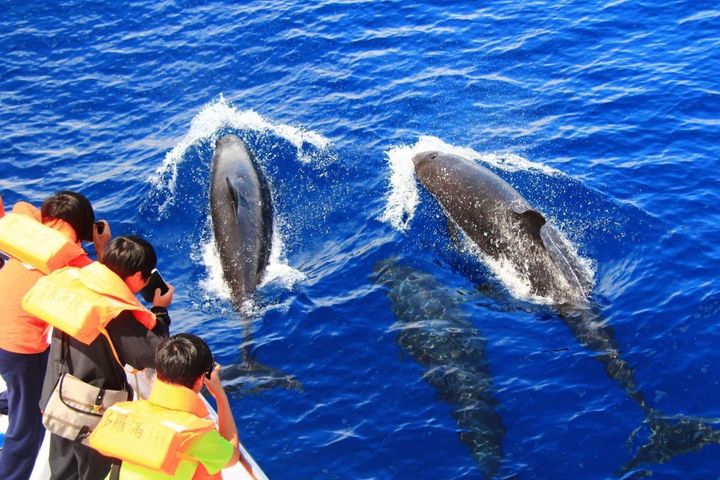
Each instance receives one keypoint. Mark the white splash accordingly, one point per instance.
(218, 115)
(403, 194)
(278, 271)
(517, 284)
(213, 285)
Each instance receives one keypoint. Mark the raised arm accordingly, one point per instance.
(226, 421)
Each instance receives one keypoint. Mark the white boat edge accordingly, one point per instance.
(142, 383)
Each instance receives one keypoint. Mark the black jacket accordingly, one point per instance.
(94, 364)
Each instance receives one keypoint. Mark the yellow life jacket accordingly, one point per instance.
(82, 301)
(153, 435)
(24, 237)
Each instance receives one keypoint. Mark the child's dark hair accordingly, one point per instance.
(73, 208)
(182, 359)
(128, 255)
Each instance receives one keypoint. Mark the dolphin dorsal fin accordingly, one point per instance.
(233, 193)
(532, 221)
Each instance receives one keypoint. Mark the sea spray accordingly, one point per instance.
(211, 121)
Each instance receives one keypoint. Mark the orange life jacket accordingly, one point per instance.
(82, 301)
(45, 247)
(153, 433)
(19, 331)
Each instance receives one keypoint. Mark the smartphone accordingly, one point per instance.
(155, 282)
(100, 227)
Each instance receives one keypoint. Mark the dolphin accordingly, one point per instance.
(501, 223)
(242, 219)
(436, 332)
(242, 216)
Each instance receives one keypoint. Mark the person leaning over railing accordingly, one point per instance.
(130, 335)
(168, 436)
(66, 218)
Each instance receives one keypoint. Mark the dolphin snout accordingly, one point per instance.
(226, 139)
(424, 157)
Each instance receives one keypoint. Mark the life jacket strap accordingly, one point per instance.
(114, 352)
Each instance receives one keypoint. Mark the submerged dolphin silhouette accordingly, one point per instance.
(436, 332)
(505, 227)
(242, 219)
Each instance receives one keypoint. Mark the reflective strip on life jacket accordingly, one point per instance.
(42, 247)
(82, 301)
(148, 435)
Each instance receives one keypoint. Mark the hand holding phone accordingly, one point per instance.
(209, 371)
(212, 381)
(100, 237)
(156, 281)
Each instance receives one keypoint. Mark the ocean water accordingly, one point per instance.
(603, 114)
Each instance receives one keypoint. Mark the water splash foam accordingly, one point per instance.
(278, 270)
(213, 285)
(220, 115)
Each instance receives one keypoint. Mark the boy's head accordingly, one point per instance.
(73, 208)
(183, 359)
(128, 257)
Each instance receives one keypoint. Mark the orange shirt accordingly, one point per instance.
(20, 332)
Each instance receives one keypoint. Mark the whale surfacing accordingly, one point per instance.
(242, 219)
(503, 224)
(242, 216)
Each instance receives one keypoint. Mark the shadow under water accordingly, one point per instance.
(435, 331)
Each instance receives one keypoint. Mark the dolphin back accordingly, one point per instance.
(501, 222)
(242, 216)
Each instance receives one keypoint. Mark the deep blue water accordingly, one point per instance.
(603, 114)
